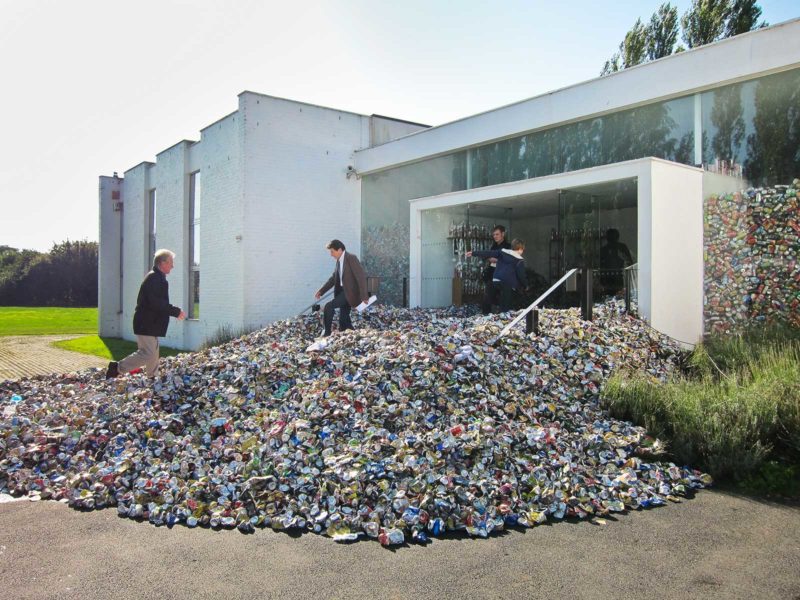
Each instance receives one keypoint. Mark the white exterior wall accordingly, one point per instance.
(109, 280)
(676, 250)
(274, 190)
(297, 197)
(219, 159)
(383, 130)
(170, 180)
(135, 251)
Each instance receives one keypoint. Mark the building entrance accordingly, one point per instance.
(593, 226)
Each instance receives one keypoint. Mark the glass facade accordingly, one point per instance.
(753, 129)
(384, 215)
(151, 214)
(195, 199)
(750, 129)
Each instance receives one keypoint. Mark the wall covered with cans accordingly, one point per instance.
(752, 273)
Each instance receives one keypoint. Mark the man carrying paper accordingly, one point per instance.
(349, 283)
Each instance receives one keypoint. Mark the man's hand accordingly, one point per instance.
(317, 296)
(492, 261)
(181, 316)
(468, 254)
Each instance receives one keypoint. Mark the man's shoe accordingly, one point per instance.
(112, 370)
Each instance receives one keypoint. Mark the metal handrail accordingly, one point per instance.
(535, 304)
(313, 304)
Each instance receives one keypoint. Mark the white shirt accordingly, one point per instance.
(341, 269)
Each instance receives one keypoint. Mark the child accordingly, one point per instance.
(509, 275)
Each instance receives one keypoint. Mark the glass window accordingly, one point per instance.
(195, 194)
(750, 129)
(151, 213)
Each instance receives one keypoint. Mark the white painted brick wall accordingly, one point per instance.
(297, 198)
(218, 157)
(274, 191)
(170, 179)
(108, 277)
(134, 248)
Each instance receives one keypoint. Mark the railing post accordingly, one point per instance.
(586, 294)
(627, 291)
(532, 322)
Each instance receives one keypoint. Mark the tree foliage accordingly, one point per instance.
(705, 22)
(662, 32)
(65, 276)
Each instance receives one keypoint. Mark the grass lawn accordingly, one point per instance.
(46, 320)
(110, 348)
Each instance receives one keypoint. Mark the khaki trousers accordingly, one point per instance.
(146, 356)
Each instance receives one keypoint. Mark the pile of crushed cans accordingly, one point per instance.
(752, 273)
(409, 427)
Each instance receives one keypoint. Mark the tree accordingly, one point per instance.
(66, 276)
(632, 50)
(742, 18)
(662, 32)
(705, 22)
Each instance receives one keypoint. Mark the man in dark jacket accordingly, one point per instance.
(349, 283)
(499, 243)
(151, 318)
(509, 274)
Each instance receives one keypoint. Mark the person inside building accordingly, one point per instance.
(614, 257)
(349, 283)
(509, 275)
(499, 243)
(150, 318)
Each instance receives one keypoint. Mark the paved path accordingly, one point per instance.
(716, 545)
(27, 355)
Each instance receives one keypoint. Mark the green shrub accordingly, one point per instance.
(223, 335)
(736, 409)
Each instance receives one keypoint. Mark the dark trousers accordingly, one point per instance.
(339, 301)
(497, 293)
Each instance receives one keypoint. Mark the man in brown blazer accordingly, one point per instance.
(349, 283)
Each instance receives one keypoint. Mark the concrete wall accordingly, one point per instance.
(275, 188)
(109, 271)
(169, 178)
(218, 157)
(136, 257)
(676, 251)
(384, 129)
(297, 197)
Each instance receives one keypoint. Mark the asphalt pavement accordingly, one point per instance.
(716, 545)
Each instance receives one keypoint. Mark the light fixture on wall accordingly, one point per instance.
(351, 171)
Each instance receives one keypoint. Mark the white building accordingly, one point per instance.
(254, 201)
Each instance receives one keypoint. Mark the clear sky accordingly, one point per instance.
(90, 87)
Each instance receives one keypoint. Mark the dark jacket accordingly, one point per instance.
(488, 272)
(354, 279)
(153, 309)
(510, 269)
